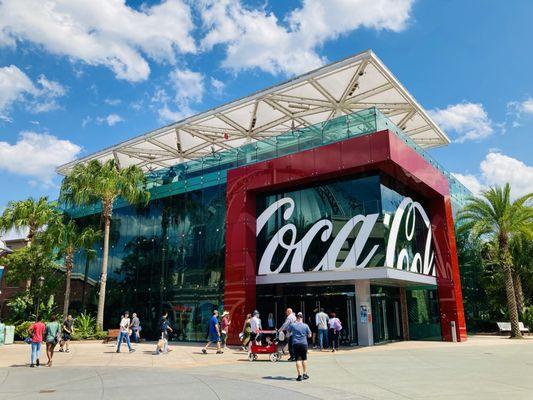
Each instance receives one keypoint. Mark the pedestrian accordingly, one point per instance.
(67, 329)
(322, 321)
(164, 329)
(124, 334)
(52, 333)
(255, 325)
(36, 331)
(135, 328)
(311, 321)
(335, 328)
(289, 320)
(300, 332)
(271, 323)
(214, 333)
(246, 332)
(224, 328)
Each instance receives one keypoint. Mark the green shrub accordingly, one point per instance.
(101, 335)
(84, 326)
(21, 330)
(527, 317)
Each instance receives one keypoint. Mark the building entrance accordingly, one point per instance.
(386, 311)
(340, 299)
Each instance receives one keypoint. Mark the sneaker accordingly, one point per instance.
(132, 350)
(61, 350)
(67, 351)
(220, 352)
(37, 363)
(118, 351)
(305, 376)
(204, 351)
(32, 365)
(299, 379)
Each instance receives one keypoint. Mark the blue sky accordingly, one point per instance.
(78, 76)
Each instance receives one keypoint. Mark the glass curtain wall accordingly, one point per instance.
(169, 257)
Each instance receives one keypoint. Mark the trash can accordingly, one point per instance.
(2, 333)
(10, 334)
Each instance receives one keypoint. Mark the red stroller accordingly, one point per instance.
(268, 344)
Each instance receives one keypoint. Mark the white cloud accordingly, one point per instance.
(189, 85)
(218, 86)
(517, 110)
(112, 102)
(189, 89)
(469, 120)
(111, 119)
(16, 86)
(102, 32)
(36, 155)
(258, 39)
(497, 169)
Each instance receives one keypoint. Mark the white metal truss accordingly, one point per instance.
(355, 83)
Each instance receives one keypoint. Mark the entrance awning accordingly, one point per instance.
(382, 275)
(355, 83)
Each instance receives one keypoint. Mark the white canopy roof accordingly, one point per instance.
(355, 83)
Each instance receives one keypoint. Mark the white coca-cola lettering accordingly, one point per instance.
(409, 208)
(285, 238)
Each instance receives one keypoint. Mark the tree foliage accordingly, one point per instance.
(104, 183)
(496, 220)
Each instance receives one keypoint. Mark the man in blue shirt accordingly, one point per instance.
(300, 333)
(214, 333)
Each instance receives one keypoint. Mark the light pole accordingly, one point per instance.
(41, 283)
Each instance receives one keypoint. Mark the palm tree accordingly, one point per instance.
(103, 183)
(493, 216)
(31, 214)
(65, 237)
(521, 249)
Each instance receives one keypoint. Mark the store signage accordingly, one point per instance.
(285, 239)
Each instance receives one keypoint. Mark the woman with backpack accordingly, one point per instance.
(335, 328)
(52, 337)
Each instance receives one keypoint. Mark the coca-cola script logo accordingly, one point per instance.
(285, 239)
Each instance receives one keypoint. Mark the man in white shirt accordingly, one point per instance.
(125, 324)
(291, 319)
(255, 326)
(322, 322)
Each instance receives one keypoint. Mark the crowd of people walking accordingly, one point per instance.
(51, 334)
(320, 330)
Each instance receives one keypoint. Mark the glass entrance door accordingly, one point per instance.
(306, 299)
(386, 323)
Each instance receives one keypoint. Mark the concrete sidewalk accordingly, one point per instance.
(482, 368)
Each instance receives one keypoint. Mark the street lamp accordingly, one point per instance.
(41, 283)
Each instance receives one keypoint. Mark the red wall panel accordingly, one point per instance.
(380, 151)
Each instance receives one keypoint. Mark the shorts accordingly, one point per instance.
(300, 351)
(214, 337)
(66, 336)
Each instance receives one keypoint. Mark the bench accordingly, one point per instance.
(112, 334)
(506, 327)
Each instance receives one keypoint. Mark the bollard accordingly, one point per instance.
(454, 331)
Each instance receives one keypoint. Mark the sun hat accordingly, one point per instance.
(224, 313)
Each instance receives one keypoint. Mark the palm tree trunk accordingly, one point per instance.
(68, 267)
(509, 288)
(519, 293)
(83, 297)
(103, 273)
(28, 281)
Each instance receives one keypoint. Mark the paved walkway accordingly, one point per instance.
(482, 368)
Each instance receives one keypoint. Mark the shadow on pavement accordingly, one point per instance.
(279, 378)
